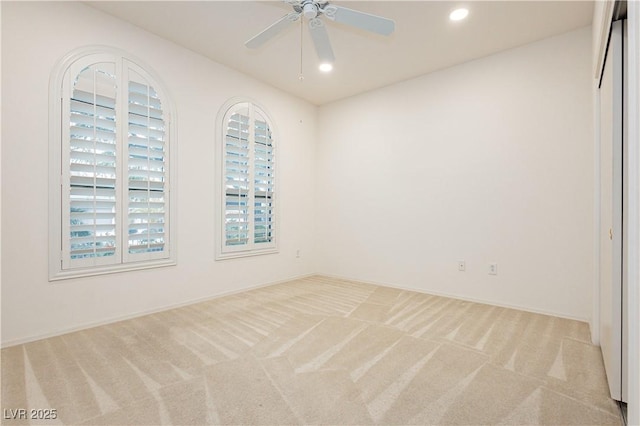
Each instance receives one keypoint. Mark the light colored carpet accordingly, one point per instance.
(317, 351)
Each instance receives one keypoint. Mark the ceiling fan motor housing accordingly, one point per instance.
(309, 9)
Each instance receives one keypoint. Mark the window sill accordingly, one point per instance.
(110, 269)
(248, 253)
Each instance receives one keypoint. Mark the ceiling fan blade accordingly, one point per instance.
(321, 40)
(362, 20)
(272, 30)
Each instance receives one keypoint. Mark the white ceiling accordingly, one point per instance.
(424, 40)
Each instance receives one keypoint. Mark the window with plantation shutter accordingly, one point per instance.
(248, 217)
(110, 199)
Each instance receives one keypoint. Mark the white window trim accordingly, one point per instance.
(221, 253)
(55, 172)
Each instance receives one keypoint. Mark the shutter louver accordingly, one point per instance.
(92, 168)
(146, 168)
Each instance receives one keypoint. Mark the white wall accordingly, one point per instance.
(488, 161)
(34, 37)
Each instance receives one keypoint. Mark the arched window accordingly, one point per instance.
(111, 164)
(248, 187)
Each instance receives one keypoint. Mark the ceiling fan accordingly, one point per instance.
(313, 10)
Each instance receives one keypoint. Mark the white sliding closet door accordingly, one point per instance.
(611, 137)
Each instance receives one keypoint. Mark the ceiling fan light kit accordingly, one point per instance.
(325, 67)
(313, 10)
(459, 14)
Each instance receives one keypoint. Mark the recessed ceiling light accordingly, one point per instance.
(325, 67)
(459, 14)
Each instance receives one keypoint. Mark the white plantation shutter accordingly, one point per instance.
(248, 180)
(237, 177)
(91, 193)
(114, 188)
(146, 168)
(264, 181)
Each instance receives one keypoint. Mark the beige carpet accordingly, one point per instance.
(317, 351)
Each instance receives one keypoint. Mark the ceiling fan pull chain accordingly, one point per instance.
(301, 76)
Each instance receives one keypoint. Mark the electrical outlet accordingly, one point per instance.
(461, 266)
(493, 269)
(297, 253)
